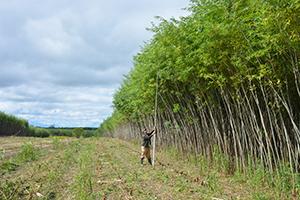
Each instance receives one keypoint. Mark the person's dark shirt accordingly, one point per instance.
(147, 139)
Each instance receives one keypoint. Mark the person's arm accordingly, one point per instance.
(153, 132)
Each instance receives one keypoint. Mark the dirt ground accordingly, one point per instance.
(106, 168)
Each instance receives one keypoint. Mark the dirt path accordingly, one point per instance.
(170, 179)
(106, 168)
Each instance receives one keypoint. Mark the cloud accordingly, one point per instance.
(49, 37)
(58, 106)
(62, 60)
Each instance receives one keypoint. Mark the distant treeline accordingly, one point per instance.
(13, 126)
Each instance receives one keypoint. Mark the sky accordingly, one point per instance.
(62, 60)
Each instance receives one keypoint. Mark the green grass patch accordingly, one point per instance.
(2, 153)
(82, 186)
(8, 166)
(27, 153)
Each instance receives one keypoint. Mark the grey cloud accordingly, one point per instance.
(78, 76)
(61, 60)
(79, 106)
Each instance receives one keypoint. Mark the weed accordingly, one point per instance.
(76, 146)
(164, 177)
(260, 196)
(11, 189)
(220, 160)
(28, 153)
(2, 153)
(51, 196)
(82, 187)
(52, 175)
(203, 164)
(297, 184)
(68, 157)
(6, 190)
(8, 166)
(254, 176)
(284, 180)
(212, 181)
(181, 184)
(56, 142)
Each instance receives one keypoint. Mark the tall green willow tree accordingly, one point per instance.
(228, 79)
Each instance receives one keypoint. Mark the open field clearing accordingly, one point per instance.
(10, 146)
(106, 168)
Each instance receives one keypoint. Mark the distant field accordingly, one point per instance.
(10, 146)
(105, 168)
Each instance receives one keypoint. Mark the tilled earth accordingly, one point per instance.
(107, 168)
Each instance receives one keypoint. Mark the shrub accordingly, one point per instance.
(78, 132)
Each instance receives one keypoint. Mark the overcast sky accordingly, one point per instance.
(62, 60)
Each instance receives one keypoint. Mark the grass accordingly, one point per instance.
(9, 188)
(82, 187)
(56, 142)
(108, 168)
(27, 153)
(2, 152)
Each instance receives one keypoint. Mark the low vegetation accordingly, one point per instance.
(107, 168)
(227, 83)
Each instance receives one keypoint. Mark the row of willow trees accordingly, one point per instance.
(228, 79)
(11, 125)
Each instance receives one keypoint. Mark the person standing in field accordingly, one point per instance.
(146, 143)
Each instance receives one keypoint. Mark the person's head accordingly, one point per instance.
(145, 131)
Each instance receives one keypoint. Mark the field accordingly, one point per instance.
(107, 168)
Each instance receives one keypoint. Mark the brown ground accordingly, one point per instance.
(105, 168)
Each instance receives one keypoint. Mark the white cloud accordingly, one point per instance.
(61, 60)
(80, 106)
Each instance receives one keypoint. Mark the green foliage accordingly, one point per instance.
(285, 179)
(39, 132)
(8, 166)
(212, 181)
(111, 123)
(8, 189)
(82, 186)
(56, 142)
(2, 153)
(78, 132)
(11, 125)
(260, 196)
(176, 108)
(213, 58)
(60, 132)
(27, 153)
